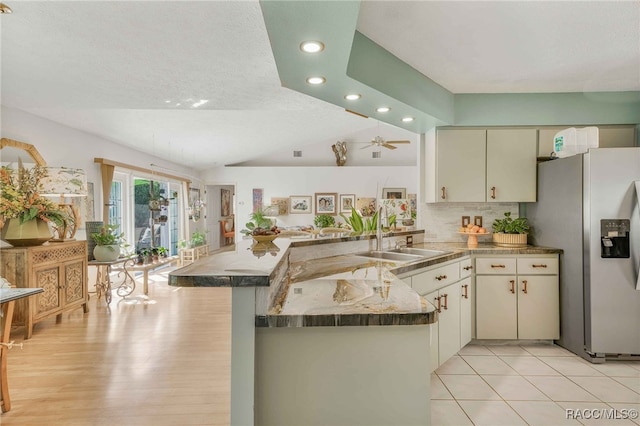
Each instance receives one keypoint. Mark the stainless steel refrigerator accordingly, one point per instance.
(588, 206)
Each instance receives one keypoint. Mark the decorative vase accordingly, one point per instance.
(34, 232)
(92, 227)
(107, 253)
(510, 240)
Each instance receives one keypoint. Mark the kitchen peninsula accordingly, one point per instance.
(325, 333)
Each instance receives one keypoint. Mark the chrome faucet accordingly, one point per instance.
(400, 244)
(379, 231)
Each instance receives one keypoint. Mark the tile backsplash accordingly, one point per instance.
(441, 221)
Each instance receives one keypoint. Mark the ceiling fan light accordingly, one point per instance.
(316, 80)
(407, 119)
(383, 109)
(4, 9)
(353, 96)
(312, 46)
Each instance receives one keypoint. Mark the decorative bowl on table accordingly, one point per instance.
(472, 241)
(264, 238)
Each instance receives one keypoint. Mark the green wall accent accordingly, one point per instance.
(503, 109)
(378, 68)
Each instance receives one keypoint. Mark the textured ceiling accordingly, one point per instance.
(131, 72)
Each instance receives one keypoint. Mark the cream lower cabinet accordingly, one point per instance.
(449, 288)
(517, 297)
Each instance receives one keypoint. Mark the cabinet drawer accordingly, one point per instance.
(538, 265)
(466, 268)
(434, 279)
(496, 265)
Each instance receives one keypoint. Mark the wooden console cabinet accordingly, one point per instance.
(59, 268)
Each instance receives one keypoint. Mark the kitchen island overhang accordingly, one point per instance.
(385, 341)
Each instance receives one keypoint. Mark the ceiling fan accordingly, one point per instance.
(378, 141)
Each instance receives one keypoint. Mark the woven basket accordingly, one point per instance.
(510, 240)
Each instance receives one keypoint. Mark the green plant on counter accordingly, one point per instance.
(324, 221)
(508, 225)
(356, 223)
(258, 219)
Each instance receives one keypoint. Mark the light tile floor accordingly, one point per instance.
(539, 384)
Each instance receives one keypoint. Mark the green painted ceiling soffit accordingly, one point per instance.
(352, 63)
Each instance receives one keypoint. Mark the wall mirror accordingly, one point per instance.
(12, 151)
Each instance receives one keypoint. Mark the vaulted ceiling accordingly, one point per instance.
(207, 83)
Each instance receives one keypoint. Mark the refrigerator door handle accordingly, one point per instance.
(637, 184)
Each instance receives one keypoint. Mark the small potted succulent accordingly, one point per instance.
(510, 232)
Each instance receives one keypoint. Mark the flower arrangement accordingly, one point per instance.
(108, 236)
(21, 197)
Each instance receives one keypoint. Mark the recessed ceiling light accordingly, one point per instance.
(353, 97)
(407, 119)
(316, 80)
(312, 46)
(383, 109)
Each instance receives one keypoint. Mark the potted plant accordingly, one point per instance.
(510, 232)
(24, 214)
(108, 243)
(163, 252)
(155, 254)
(197, 239)
(259, 224)
(356, 223)
(324, 221)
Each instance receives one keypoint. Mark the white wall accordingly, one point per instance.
(287, 181)
(64, 146)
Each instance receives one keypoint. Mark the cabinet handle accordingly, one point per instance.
(524, 287)
(466, 291)
(443, 196)
(493, 192)
(542, 265)
(513, 286)
(498, 266)
(446, 305)
(466, 268)
(439, 306)
(441, 277)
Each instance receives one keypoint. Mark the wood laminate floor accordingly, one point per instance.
(161, 361)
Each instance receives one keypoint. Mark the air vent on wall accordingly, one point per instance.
(297, 153)
(375, 154)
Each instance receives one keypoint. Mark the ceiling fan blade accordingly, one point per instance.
(397, 142)
(367, 146)
(386, 145)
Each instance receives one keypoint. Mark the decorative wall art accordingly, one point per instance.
(413, 201)
(282, 203)
(366, 206)
(300, 204)
(326, 202)
(257, 199)
(87, 205)
(400, 208)
(225, 202)
(394, 193)
(347, 202)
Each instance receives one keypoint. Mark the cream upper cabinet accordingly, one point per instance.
(511, 165)
(460, 165)
(479, 165)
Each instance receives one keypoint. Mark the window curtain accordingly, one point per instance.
(106, 171)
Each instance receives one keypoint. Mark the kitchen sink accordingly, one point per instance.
(423, 253)
(388, 255)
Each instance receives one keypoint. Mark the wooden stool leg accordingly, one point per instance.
(7, 316)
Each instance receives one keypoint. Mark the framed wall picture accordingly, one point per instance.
(282, 203)
(366, 206)
(225, 202)
(300, 204)
(326, 202)
(394, 193)
(347, 202)
(257, 199)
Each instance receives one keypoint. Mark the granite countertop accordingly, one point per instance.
(337, 290)
(7, 294)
